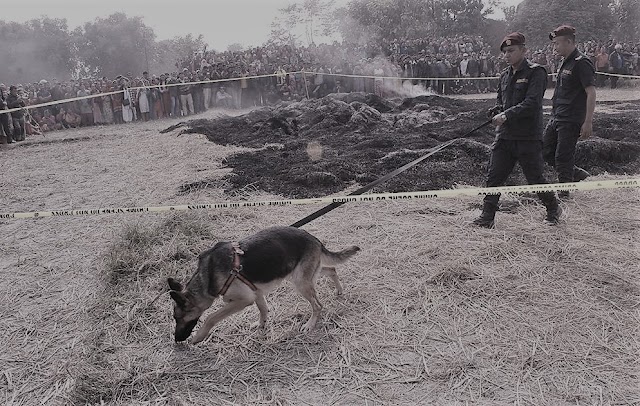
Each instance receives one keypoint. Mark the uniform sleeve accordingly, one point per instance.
(532, 102)
(586, 73)
(499, 104)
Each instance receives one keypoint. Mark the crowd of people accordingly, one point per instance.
(607, 57)
(295, 73)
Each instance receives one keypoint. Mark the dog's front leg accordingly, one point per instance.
(231, 307)
(264, 310)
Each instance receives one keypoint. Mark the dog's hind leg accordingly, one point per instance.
(263, 309)
(227, 310)
(331, 272)
(308, 291)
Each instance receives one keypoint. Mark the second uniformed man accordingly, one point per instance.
(574, 101)
(518, 119)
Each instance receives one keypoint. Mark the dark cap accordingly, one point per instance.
(515, 38)
(563, 31)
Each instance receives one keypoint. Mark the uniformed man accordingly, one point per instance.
(518, 119)
(574, 100)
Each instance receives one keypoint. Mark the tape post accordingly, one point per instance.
(633, 183)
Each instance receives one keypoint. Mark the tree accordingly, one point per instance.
(235, 47)
(312, 17)
(593, 19)
(462, 16)
(40, 48)
(627, 13)
(377, 20)
(283, 28)
(114, 45)
(167, 52)
(509, 14)
(494, 31)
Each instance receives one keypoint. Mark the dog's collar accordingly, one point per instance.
(236, 271)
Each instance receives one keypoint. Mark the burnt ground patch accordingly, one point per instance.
(321, 146)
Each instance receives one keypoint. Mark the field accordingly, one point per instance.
(435, 312)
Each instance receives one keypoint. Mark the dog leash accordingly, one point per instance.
(236, 271)
(384, 178)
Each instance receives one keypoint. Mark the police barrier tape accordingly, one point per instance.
(374, 197)
(52, 103)
(92, 96)
(617, 75)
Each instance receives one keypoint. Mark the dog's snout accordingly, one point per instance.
(184, 331)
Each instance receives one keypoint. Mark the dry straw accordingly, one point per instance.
(434, 311)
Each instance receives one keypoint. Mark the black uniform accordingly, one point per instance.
(519, 139)
(577, 72)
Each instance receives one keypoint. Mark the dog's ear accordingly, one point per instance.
(178, 298)
(174, 284)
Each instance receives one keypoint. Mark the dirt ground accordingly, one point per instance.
(434, 311)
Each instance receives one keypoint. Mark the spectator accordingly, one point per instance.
(616, 65)
(464, 64)
(602, 65)
(96, 105)
(165, 95)
(127, 102)
(86, 112)
(143, 97)
(223, 98)
(5, 129)
(14, 101)
(57, 94)
(186, 99)
(206, 87)
(106, 101)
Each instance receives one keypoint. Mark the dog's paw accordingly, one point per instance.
(258, 325)
(198, 338)
(308, 326)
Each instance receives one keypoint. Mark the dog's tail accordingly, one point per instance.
(330, 258)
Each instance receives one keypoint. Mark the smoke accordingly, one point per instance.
(395, 87)
(23, 61)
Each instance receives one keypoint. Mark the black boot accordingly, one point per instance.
(579, 174)
(554, 211)
(487, 216)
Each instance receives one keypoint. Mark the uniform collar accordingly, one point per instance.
(573, 54)
(520, 66)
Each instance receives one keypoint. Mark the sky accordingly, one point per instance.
(221, 22)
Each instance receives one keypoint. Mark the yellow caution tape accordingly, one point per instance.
(368, 198)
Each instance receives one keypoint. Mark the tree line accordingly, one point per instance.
(118, 44)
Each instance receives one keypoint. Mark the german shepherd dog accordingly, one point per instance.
(260, 262)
